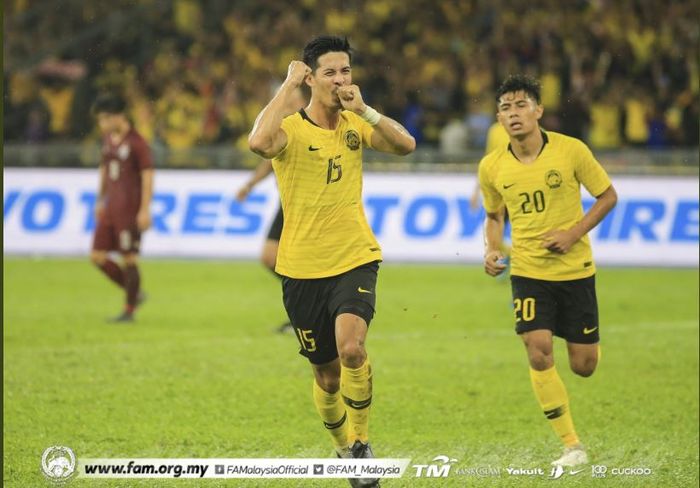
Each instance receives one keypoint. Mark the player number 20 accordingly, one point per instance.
(536, 202)
(526, 307)
(307, 342)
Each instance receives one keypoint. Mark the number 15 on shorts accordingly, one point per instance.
(307, 342)
(524, 309)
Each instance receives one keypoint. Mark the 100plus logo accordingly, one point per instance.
(602, 471)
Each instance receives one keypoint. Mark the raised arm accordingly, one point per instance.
(388, 136)
(267, 137)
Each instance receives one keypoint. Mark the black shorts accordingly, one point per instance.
(276, 228)
(313, 305)
(568, 308)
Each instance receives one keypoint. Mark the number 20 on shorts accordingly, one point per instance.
(526, 308)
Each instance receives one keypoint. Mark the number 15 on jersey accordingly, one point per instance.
(335, 170)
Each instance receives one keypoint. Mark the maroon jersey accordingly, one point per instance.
(123, 163)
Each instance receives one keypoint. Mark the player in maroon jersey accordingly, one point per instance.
(122, 210)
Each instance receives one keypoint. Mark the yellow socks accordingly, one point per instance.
(356, 390)
(551, 394)
(345, 414)
(332, 411)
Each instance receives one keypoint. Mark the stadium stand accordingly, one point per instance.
(197, 72)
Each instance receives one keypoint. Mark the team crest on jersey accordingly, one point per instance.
(553, 178)
(352, 140)
(123, 151)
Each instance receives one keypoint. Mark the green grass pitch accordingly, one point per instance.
(201, 374)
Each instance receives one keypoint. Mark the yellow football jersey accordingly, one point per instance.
(319, 175)
(541, 196)
(496, 137)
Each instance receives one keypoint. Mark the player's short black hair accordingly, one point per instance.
(322, 45)
(111, 103)
(516, 83)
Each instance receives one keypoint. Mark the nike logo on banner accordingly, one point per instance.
(311, 148)
(587, 331)
(505, 187)
(362, 290)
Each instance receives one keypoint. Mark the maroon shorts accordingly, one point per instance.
(111, 235)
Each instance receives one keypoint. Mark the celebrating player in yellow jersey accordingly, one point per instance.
(328, 256)
(537, 179)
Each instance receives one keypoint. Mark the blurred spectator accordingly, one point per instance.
(480, 116)
(605, 120)
(26, 118)
(58, 80)
(58, 96)
(658, 128)
(551, 83)
(421, 61)
(454, 137)
(636, 115)
(412, 118)
(179, 116)
(691, 122)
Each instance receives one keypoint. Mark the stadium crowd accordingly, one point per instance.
(614, 73)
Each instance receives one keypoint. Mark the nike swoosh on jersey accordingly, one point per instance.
(362, 290)
(311, 148)
(505, 187)
(587, 331)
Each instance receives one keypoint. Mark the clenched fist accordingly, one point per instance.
(297, 71)
(351, 99)
(493, 263)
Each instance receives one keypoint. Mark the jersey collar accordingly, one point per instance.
(545, 140)
(305, 116)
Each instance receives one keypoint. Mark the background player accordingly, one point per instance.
(122, 209)
(268, 256)
(537, 178)
(328, 254)
(495, 137)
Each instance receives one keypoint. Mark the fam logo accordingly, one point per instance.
(553, 178)
(58, 463)
(441, 470)
(352, 140)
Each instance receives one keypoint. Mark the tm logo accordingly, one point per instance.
(441, 470)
